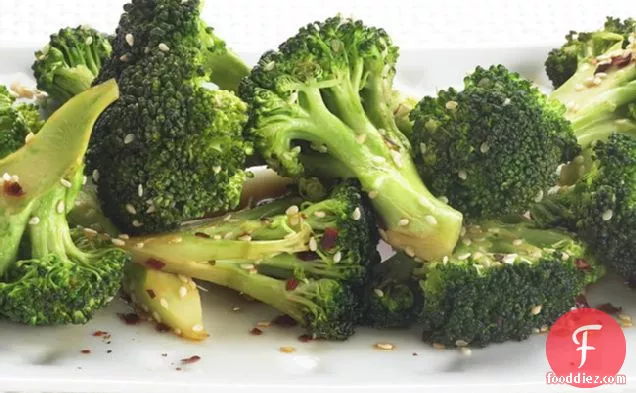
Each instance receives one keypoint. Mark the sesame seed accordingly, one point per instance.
(361, 138)
(443, 199)
(163, 302)
(597, 81)
(461, 343)
(263, 324)
(626, 324)
(536, 309)
(123, 236)
(484, 148)
(6, 177)
(624, 317)
(89, 231)
(247, 266)
(175, 240)
(245, 238)
(536, 331)
(89, 40)
(445, 259)
(565, 256)
(607, 215)
(236, 308)
(124, 58)
(404, 222)
(509, 258)
(373, 194)
(553, 190)
(163, 47)
(156, 316)
(544, 329)
(451, 105)
(60, 208)
(269, 66)
(177, 331)
(397, 158)
(216, 169)
(384, 346)
(464, 256)
(140, 190)
(197, 328)
(539, 197)
(129, 138)
(466, 351)
(292, 210)
(517, 242)
(378, 292)
(131, 209)
(601, 75)
(287, 349)
(357, 214)
(431, 220)
(319, 214)
(130, 40)
(337, 257)
(579, 87)
(422, 148)
(462, 175)
(409, 251)
(439, 346)
(506, 102)
(313, 244)
(139, 245)
(34, 221)
(95, 175)
(118, 242)
(466, 241)
(322, 149)
(84, 180)
(28, 137)
(378, 159)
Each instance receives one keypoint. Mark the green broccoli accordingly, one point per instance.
(70, 61)
(17, 122)
(309, 262)
(492, 148)
(322, 104)
(601, 206)
(402, 107)
(45, 278)
(169, 149)
(563, 62)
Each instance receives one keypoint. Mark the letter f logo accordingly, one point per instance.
(583, 344)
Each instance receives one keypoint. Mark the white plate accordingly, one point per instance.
(50, 360)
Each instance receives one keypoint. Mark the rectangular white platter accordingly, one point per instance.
(49, 359)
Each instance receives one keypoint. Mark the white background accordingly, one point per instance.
(253, 25)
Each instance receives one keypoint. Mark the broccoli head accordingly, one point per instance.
(169, 149)
(492, 148)
(308, 261)
(504, 282)
(46, 277)
(322, 104)
(17, 121)
(70, 61)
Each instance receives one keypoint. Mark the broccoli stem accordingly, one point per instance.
(69, 82)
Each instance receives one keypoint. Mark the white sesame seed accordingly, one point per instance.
(517, 242)
(431, 220)
(123, 236)
(34, 221)
(608, 214)
(579, 87)
(95, 175)
(61, 207)
(601, 75)
(466, 351)
(66, 183)
(404, 222)
(129, 138)
(247, 266)
(464, 256)
(140, 190)
(384, 346)
(183, 278)
(29, 137)
(357, 214)
(624, 317)
(269, 66)
(484, 148)
(445, 259)
(89, 40)
(156, 316)
(118, 242)
(506, 102)
(553, 190)
(361, 138)
(90, 231)
(320, 214)
(236, 308)
(422, 148)
(378, 292)
(292, 210)
(397, 158)
(175, 240)
(597, 81)
(378, 160)
(151, 209)
(443, 199)
(461, 343)
(245, 238)
(163, 302)
(263, 324)
(373, 194)
(539, 197)
(409, 251)
(565, 256)
(139, 245)
(163, 47)
(337, 257)
(130, 40)
(6, 177)
(462, 175)
(509, 258)
(313, 244)
(536, 309)
(131, 209)
(451, 105)
(197, 328)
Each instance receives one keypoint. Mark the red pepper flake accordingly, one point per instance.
(164, 355)
(256, 332)
(162, 328)
(305, 338)
(582, 264)
(151, 293)
(581, 302)
(202, 234)
(329, 238)
(99, 333)
(610, 309)
(602, 68)
(109, 351)
(13, 188)
(291, 284)
(284, 321)
(85, 351)
(155, 264)
(130, 318)
(191, 359)
(622, 61)
(178, 369)
(307, 256)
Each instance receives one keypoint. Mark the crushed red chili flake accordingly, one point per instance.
(130, 318)
(191, 359)
(151, 293)
(622, 61)
(582, 264)
(256, 332)
(284, 321)
(178, 369)
(162, 328)
(13, 189)
(581, 302)
(164, 355)
(305, 338)
(100, 333)
(109, 350)
(155, 264)
(202, 234)
(329, 238)
(307, 256)
(609, 308)
(85, 351)
(291, 284)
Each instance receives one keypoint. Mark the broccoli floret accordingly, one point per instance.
(169, 149)
(601, 206)
(323, 103)
(309, 262)
(504, 282)
(492, 148)
(45, 277)
(70, 61)
(16, 122)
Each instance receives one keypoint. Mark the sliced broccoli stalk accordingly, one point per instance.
(504, 282)
(52, 280)
(330, 87)
(70, 61)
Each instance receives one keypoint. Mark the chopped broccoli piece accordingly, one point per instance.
(308, 262)
(16, 122)
(70, 61)
(45, 276)
(323, 102)
(492, 148)
(169, 149)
